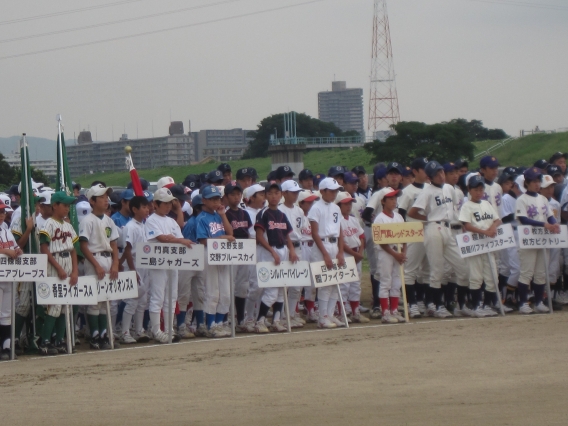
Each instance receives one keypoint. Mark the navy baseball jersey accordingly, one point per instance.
(240, 222)
(189, 231)
(209, 225)
(275, 225)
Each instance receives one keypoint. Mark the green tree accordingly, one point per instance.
(477, 132)
(306, 127)
(40, 176)
(441, 141)
(7, 173)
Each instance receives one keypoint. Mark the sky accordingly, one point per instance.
(500, 61)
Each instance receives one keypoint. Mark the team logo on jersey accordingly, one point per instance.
(147, 249)
(532, 211)
(61, 235)
(43, 290)
(466, 239)
(236, 224)
(263, 274)
(215, 227)
(276, 225)
(215, 245)
(108, 231)
(526, 231)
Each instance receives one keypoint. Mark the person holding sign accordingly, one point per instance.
(533, 210)
(325, 218)
(212, 222)
(389, 260)
(272, 235)
(98, 236)
(480, 217)
(57, 239)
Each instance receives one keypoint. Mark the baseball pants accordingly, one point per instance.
(554, 264)
(140, 303)
(514, 263)
(330, 292)
(191, 287)
(441, 247)
(241, 280)
(5, 303)
(305, 255)
(254, 293)
(217, 289)
(371, 252)
(416, 268)
(158, 280)
(273, 294)
(351, 292)
(482, 268)
(106, 264)
(532, 266)
(389, 269)
(67, 264)
(23, 298)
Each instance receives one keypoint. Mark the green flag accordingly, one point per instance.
(27, 201)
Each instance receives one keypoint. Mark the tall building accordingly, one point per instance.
(176, 149)
(48, 167)
(342, 107)
(222, 145)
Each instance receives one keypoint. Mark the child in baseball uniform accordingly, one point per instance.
(134, 233)
(479, 217)
(272, 235)
(353, 246)
(489, 169)
(389, 261)
(98, 236)
(533, 210)
(296, 217)
(9, 247)
(212, 223)
(160, 228)
(437, 203)
(325, 219)
(57, 239)
(547, 189)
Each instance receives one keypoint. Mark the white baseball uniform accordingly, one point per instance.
(7, 241)
(352, 235)
(510, 265)
(389, 268)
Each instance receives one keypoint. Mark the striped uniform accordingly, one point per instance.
(24, 290)
(60, 236)
(7, 241)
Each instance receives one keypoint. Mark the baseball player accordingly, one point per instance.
(325, 220)
(227, 173)
(306, 179)
(489, 169)
(337, 172)
(416, 268)
(212, 223)
(98, 236)
(547, 189)
(56, 241)
(244, 177)
(532, 209)
(363, 187)
(437, 202)
(478, 216)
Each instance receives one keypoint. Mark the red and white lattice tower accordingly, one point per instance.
(383, 100)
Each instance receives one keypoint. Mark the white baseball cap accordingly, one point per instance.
(5, 199)
(307, 196)
(166, 181)
(520, 181)
(344, 197)
(469, 176)
(291, 186)
(98, 190)
(329, 183)
(547, 180)
(164, 194)
(45, 197)
(83, 210)
(251, 190)
(194, 193)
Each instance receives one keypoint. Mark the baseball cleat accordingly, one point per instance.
(326, 323)
(463, 312)
(388, 318)
(5, 355)
(414, 312)
(95, 343)
(277, 327)
(421, 307)
(541, 308)
(127, 338)
(260, 327)
(375, 313)
(337, 321)
(479, 312)
(363, 309)
(489, 312)
(184, 333)
(525, 309)
(397, 316)
(358, 318)
(246, 326)
(47, 348)
(61, 347)
(161, 337)
(313, 317)
(298, 318)
(442, 312)
(141, 337)
(431, 310)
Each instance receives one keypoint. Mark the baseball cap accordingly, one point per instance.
(394, 166)
(45, 197)
(14, 190)
(406, 171)
(62, 197)
(547, 180)
(178, 191)
(510, 170)
(558, 155)
(114, 198)
(335, 171)
(350, 177)
(166, 182)
(5, 199)
(143, 183)
(224, 167)
(98, 190)
(271, 176)
(164, 195)
(254, 173)
(203, 178)
(149, 196)
(541, 164)
(192, 181)
(232, 186)
(461, 163)
(449, 167)
(284, 171)
(272, 185)
(520, 181)
(432, 168)
(210, 191)
(305, 174)
(215, 176)
(291, 186)
(553, 170)
(391, 193)
(344, 197)
(380, 173)
(127, 194)
(247, 171)
(3, 206)
(318, 178)
(307, 196)
(329, 183)
(358, 170)
(83, 209)
(253, 189)
(488, 161)
(505, 177)
(475, 181)
(197, 200)
(419, 163)
(469, 176)
(532, 173)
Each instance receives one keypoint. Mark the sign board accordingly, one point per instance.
(125, 287)
(238, 252)
(471, 244)
(170, 256)
(398, 233)
(538, 238)
(324, 277)
(53, 291)
(24, 268)
(287, 274)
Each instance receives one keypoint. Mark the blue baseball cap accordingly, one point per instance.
(350, 177)
(432, 168)
(318, 178)
(532, 173)
(143, 182)
(476, 181)
(380, 173)
(488, 161)
(210, 191)
(127, 194)
(197, 200)
(215, 176)
(511, 170)
(541, 164)
(450, 167)
(406, 171)
(419, 163)
(394, 166)
(553, 170)
(149, 196)
(336, 171)
(305, 174)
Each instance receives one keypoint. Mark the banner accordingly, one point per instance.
(398, 233)
(53, 291)
(471, 244)
(324, 277)
(125, 287)
(223, 252)
(537, 237)
(170, 256)
(24, 268)
(287, 274)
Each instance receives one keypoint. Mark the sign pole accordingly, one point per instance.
(493, 271)
(403, 287)
(232, 310)
(109, 321)
(13, 328)
(170, 315)
(68, 330)
(547, 280)
(343, 311)
(287, 309)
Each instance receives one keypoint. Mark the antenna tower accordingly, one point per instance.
(383, 100)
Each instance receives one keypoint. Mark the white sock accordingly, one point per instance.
(322, 308)
(276, 316)
(249, 309)
(126, 320)
(155, 321)
(331, 307)
(139, 321)
(292, 302)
